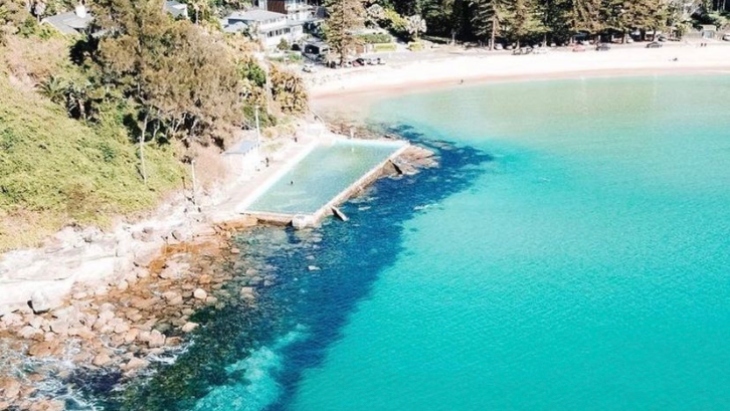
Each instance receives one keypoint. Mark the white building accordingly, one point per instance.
(268, 26)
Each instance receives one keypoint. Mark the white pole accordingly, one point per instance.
(195, 184)
(258, 128)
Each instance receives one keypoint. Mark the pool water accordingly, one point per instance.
(325, 172)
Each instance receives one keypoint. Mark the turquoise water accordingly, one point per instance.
(326, 171)
(571, 253)
(586, 267)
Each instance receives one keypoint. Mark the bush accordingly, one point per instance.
(415, 46)
(56, 171)
(283, 45)
(384, 47)
(376, 38)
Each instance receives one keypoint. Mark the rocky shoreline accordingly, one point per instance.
(139, 313)
(122, 327)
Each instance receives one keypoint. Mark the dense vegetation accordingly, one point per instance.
(515, 21)
(97, 125)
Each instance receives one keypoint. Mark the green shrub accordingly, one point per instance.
(415, 46)
(384, 47)
(55, 170)
(375, 38)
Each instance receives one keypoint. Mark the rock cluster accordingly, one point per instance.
(118, 326)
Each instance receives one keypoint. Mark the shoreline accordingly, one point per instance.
(129, 296)
(329, 89)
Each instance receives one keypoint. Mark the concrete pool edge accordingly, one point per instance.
(315, 218)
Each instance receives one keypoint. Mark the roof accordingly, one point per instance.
(244, 147)
(176, 8)
(233, 28)
(69, 23)
(709, 27)
(255, 15)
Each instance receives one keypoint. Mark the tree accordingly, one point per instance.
(415, 25)
(374, 14)
(523, 20)
(345, 16)
(489, 18)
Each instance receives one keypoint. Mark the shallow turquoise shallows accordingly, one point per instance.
(322, 174)
(587, 267)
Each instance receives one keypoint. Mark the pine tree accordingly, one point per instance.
(489, 17)
(344, 17)
(523, 20)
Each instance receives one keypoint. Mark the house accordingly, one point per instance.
(79, 20)
(270, 27)
(176, 9)
(295, 10)
(243, 157)
(72, 22)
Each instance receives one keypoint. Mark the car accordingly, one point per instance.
(603, 47)
(498, 46)
(726, 36)
(654, 45)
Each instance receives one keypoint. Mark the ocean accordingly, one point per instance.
(572, 252)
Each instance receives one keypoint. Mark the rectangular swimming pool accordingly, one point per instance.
(325, 172)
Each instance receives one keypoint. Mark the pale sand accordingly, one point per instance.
(331, 88)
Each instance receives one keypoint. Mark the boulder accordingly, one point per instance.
(10, 388)
(60, 327)
(204, 279)
(211, 300)
(12, 320)
(123, 286)
(102, 359)
(40, 302)
(131, 335)
(156, 339)
(189, 327)
(121, 328)
(200, 294)
(136, 364)
(28, 332)
(42, 349)
(301, 221)
(170, 296)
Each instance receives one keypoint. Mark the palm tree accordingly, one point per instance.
(54, 88)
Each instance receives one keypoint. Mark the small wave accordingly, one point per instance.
(424, 207)
(258, 388)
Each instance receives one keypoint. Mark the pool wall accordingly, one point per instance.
(316, 217)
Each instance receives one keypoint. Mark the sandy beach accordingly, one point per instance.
(451, 68)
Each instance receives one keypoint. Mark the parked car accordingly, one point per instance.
(654, 45)
(726, 36)
(498, 46)
(603, 47)
(308, 68)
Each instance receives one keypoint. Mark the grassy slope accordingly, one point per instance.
(55, 170)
